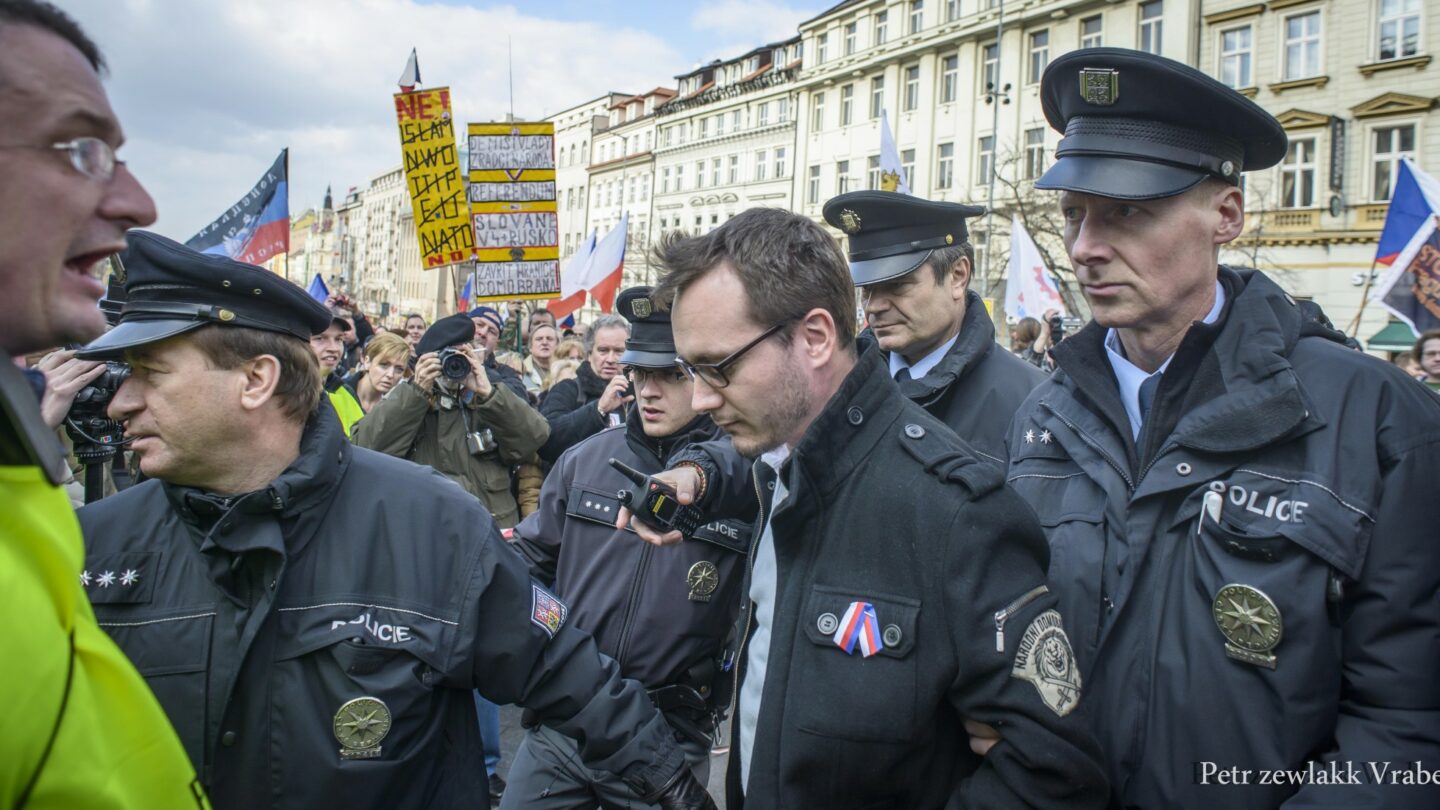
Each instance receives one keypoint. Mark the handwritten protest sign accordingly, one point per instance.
(433, 176)
(512, 207)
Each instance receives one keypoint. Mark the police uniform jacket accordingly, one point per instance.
(638, 600)
(405, 423)
(352, 575)
(1321, 467)
(886, 506)
(978, 386)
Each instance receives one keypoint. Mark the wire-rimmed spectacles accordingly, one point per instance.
(90, 156)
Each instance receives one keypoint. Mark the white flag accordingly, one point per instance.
(892, 171)
(411, 76)
(572, 277)
(1029, 288)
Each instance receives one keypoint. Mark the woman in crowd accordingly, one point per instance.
(386, 357)
(571, 348)
(415, 327)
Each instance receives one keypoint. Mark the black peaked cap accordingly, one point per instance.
(892, 234)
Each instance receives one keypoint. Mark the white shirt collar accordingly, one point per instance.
(1130, 376)
(925, 364)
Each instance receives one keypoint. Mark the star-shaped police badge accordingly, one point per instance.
(130, 577)
(1029, 437)
(106, 579)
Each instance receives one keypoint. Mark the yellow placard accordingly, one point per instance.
(434, 178)
(513, 210)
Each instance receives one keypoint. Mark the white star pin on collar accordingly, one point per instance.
(130, 577)
(1029, 437)
(106, 579)
(85, 578)
(1046, 437)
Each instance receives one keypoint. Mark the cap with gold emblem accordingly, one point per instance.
(652, 341)
(1139, 126)
(171, 289)
(892, 234)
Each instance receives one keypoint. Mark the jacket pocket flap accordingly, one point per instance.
(828, 615)
(304, 630)
(597, 507)
(169, 644)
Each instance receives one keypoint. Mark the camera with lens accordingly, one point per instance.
(94, 434)
(481, 442)
(454, 367)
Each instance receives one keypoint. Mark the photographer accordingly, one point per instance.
(458, 417)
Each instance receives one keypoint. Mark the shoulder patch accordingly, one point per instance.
(547, 612)
(1046, 660)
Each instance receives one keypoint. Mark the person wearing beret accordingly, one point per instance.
(313, 615)
(663, 614)
(471, 429)
(487, 340)
(1231, 495)
(329, 348)
(912, 262)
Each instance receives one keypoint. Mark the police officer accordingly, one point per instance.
(80, 727)
(912, 261)
(896, 587)
(471, 428)
(1234, 499)
(662, 613)
(313, 615)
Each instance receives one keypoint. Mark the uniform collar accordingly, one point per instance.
(974, 341)
(20, 409)
(922, 366)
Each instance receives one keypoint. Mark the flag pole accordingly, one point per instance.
(1353, 329)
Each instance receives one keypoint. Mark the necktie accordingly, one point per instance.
(1147, 395)
(903, 375)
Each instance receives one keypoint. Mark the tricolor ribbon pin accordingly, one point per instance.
(859, 627)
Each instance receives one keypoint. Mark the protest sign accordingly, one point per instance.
(433, 177)
(513, 212)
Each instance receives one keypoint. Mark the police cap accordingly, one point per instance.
(652, 340)
(171, 289)
(1139, 126)
(449, 331)
(892, 234)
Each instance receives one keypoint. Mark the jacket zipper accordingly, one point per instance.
(1130, 485)
(749, 573)
(1002, 615)
(626, 621)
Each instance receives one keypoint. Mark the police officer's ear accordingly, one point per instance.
(1225, 203)
(957, 280)
(260, 377)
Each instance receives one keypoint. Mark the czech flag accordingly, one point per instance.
(1416, 197)
(257, 228)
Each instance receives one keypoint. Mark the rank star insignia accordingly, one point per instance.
(360, 725)
(1100, 86)
(85, 578)
(1046, 437)
(1250, 623)
(130, 577)
(849, 221)
(106, 579)
(702, 578)
(1029, 437)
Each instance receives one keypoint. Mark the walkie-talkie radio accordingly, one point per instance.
(657, 506)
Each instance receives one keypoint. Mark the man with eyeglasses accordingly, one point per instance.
(662, 613)
(896, 588)
(81, 727)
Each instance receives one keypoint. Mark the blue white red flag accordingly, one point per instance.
(463, 305)
(257, 228)
(318, 290)
(859, 627)
(1410, 289)
(1416, 197)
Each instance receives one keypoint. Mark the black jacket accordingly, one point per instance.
(256, 618)
(887, 506)
(570, 408)
(638, 600)
(1323, 465)
(977, 387)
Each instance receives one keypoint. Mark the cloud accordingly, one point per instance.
(739, 25)
(210, 92)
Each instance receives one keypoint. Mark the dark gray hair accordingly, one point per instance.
(942, 259)
(608, 321)
(787, 264)
(46, 16)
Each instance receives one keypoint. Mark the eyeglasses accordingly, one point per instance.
(91, 157)
(642, 376)
(714, 374)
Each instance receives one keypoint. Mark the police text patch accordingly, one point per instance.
(546, 611)
(1046, 660)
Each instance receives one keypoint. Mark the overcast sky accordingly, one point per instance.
(209, 91)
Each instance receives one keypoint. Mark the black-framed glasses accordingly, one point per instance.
(714, 374)
(91, 157)
(641, 375)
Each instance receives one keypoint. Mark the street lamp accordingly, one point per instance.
(992, 95)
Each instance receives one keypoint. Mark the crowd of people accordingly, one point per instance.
(1181, 557)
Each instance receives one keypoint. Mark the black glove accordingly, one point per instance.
(684, 792)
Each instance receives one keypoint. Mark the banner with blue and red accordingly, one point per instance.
(257, 227)
(1415, 198)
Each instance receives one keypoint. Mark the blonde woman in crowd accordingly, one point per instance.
(386, 358)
